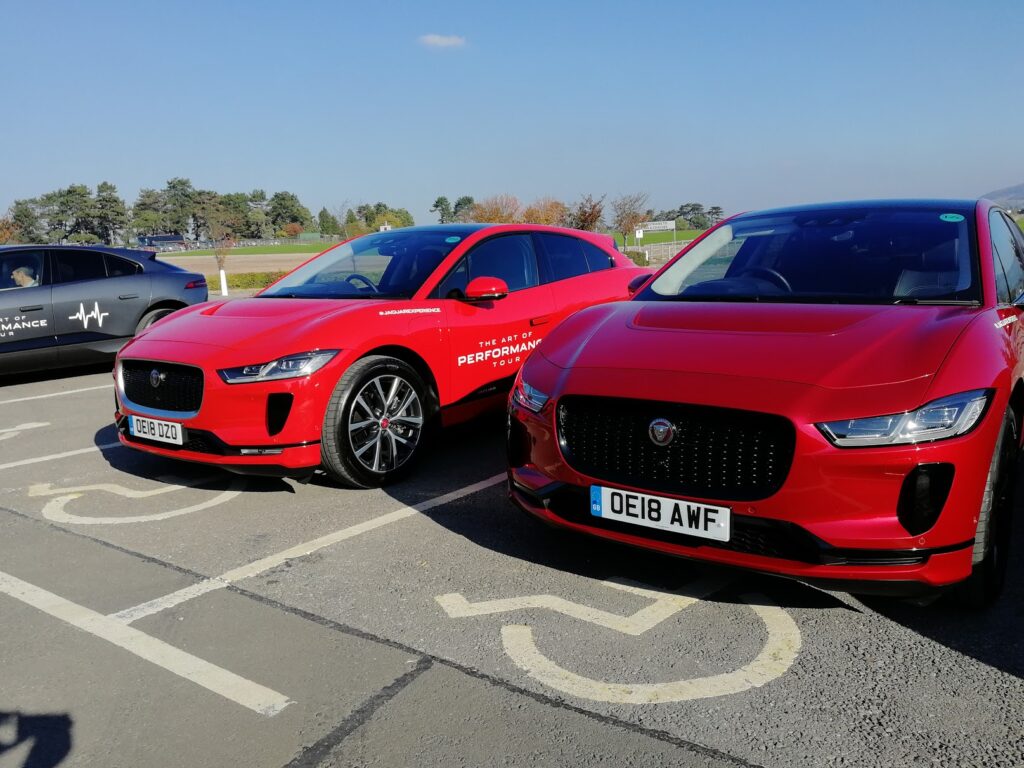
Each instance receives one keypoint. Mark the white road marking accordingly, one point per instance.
(250, 695)
(777, 656)
(141, 611)
(55, 456)
(54, 394)
(137, 612)
(9, 432)
(54, 509)
(665, 606)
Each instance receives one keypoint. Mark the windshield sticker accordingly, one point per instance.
(9, 326)
(1006, 321)
(452, 239)
(508, 350)
(412, 311)
(954, 217)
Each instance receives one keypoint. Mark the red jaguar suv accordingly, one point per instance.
(831, 392)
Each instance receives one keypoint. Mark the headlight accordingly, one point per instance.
(939, 419)
(529, 397)
(290, 367)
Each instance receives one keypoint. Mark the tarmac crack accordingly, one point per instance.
(314, 754)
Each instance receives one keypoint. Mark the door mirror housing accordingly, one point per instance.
(637, 283)
(486, 289)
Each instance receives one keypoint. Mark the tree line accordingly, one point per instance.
(78, 214)
(623, 214)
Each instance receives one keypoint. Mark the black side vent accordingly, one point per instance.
(279, 405)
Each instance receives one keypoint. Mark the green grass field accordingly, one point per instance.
(258, 249)
(650, 238)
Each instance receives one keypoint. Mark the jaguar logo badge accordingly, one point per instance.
(661, 431)
(156, 378)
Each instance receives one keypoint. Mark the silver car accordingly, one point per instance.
(63, 305)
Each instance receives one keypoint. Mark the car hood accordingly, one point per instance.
(830, 346)
(266, 324)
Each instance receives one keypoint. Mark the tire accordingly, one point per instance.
(376, 422)
(151, 317)
(992, 540)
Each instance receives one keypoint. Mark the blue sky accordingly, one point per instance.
(738, 104)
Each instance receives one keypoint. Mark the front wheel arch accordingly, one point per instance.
(418, 364)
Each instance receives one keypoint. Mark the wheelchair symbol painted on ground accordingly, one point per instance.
(775, 658)
(54, 508)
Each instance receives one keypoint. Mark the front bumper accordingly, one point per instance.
(776, 547)
(269, 428)
(833, 521)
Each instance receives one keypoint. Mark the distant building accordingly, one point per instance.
(157, 240)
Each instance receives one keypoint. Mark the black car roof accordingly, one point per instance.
(135, 254)
(962, 206)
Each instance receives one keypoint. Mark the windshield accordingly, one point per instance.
(856, 256)
(384, 265)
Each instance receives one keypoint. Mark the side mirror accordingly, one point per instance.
(637, 283)
(486, 289)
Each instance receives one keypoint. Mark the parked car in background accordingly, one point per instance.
(75, 305)
(345, 361)
(832, 393)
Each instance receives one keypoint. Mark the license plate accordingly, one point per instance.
(153, 429)
(691, 518)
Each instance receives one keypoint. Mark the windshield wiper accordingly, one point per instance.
(939, 302)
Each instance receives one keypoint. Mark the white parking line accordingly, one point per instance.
(128, 615)
(55, 456)
(250, 695)
(12, 432)
(54, 394)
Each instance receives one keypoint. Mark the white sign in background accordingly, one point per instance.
(658, 226)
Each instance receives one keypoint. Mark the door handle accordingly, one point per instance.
(124, 296)
(540, 320)
(33, 308)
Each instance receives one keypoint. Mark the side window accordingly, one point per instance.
(597, 259)
(454, 285)
(118, 267)
(1005, 247)
(73, 266)
(22, 269)
(510, 257)
(565, 255)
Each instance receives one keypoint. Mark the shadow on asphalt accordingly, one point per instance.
(171, 471)
(49, 736)
(994, 636)
(472, 451)
(57, 374)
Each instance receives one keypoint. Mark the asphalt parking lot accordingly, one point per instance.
(160, 614)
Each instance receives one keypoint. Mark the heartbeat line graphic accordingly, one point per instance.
(95, 315)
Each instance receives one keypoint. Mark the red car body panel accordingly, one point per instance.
(462, 348)
(811, 363)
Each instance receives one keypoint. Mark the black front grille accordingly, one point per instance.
(180, 387)
(717, 453)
